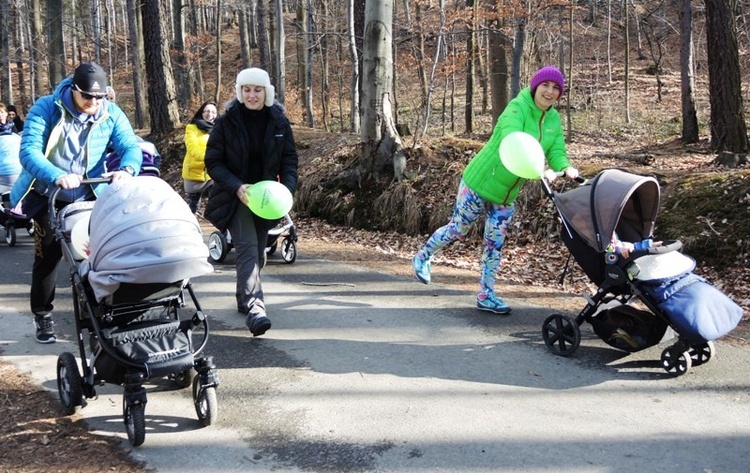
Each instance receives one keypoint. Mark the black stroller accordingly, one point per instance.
(220, 243)
(132, 323)
(659, 277)
(11, 221)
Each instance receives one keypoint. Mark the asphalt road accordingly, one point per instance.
(364, 371)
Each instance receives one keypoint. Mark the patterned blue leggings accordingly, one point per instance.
(469, 206)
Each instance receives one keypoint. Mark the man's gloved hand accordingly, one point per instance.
(571, 172)
(549, 175)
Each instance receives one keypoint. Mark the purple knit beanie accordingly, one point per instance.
(548, 73)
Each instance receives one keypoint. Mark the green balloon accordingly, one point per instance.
(269, 199)
(522, 155)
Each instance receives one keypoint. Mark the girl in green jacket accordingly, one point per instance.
(488, 187)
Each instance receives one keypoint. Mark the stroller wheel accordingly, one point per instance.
(676, 362)
(561, 334)
(206, 405)
(289, 250)
(218, 248)
(134, 416)
(10, 234)
(69, 382)
(702, 353)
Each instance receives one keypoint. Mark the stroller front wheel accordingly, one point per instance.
(702, 353)
(561, 334)
(206, 404)
(69, 382)
(10, 234)
(218, 247)
(135, 422)
(675, 361)
(289, 250)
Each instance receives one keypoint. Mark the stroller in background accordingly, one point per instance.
(660, 277)
(220, 243)
(11, 221)
(129, 296)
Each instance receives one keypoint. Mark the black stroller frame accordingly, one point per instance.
(123, 335)
(562, 334)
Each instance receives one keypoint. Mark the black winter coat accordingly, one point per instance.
(227, 160)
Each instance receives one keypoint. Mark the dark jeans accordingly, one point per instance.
(249, 235)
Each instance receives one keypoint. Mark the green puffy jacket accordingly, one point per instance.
(487, 176)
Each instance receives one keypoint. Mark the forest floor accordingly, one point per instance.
(35, 436)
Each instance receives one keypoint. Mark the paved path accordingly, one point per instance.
(365, 371)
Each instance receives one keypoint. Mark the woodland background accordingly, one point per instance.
(643, 95)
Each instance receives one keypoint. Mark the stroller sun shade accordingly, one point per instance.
(613, 201)
(142, 231)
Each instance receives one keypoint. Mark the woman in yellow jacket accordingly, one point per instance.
(194, 175)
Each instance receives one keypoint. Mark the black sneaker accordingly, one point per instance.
(258, 324)
(44, 332)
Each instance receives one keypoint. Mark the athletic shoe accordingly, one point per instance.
(44, 332)
(492, 303)
(421, 269)
(258, 324)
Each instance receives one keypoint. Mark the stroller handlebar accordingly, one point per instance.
(53, 196)
(666, 247)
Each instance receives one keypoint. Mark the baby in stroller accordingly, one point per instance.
(600, 219)
(130, 297)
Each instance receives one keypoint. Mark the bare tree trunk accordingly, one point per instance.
(354, 111)
(35, 41)
(5, 87)
(470, 39)
(55, 42)
(281, 53)
(323, 48)
(569, 85)
(184, 92)
(163, 112)
(217, 91)
(687, 79)
(626, 27)
(498, 70)
(515, 68)
(136, 60)
(728, 129)
(244, 36)
(264, 41)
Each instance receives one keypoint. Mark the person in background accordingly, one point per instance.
(65, 140)
(251, 142)
(6, 123)
(194, 175)
(488, 188)
(10, 164)
(13, 116)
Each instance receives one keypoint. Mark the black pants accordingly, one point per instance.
(47, 255)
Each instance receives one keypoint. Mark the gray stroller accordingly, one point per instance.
(130, 298)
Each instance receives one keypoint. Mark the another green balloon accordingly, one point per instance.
(269, 199)
(522, 155)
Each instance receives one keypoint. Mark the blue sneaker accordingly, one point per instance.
(421, 269)
(492, 303)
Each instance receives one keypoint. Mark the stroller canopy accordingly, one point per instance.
(141, 231)
(613, 201)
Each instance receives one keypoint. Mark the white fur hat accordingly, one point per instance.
(255, 76)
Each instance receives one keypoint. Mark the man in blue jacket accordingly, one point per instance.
(64, 141)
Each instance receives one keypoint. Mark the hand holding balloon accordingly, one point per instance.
(269, 199)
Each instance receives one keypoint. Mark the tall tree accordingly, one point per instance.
(264, 40)
(728, 129)
(687, 79)
(281, 53)
(6, 92)
(162, 101)
(354, 112)
(470, 49)
(382, 145)
(135, 32)
(55, 41)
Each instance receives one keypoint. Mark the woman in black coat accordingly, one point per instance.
(251, 142)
